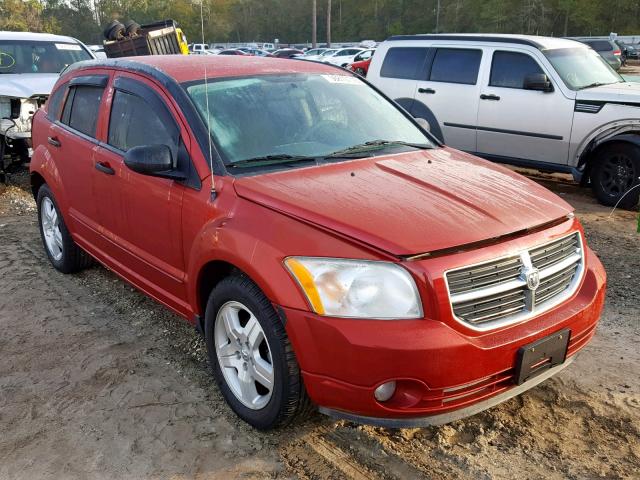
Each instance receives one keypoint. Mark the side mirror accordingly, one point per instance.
(423, 123)
(154, 160)
(537, 81)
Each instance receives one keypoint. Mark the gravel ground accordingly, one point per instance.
(99, 382)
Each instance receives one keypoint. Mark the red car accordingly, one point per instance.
(361, 63)
(331, 250)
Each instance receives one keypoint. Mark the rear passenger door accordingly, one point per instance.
(72, 142)
(522, 124)
(448, 90)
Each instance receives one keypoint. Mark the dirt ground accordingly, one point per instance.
(99, 382)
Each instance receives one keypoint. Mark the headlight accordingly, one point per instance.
(356, 288)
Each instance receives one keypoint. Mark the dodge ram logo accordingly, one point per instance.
(531, 275)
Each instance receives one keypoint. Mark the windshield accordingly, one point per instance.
(309, 115)
(581, 67)
(327, 53)
(19, 56)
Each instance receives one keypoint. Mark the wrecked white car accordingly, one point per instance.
(30, 64)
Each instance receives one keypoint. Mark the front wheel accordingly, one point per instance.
(361, 72)
(616, 175)
(251, 357)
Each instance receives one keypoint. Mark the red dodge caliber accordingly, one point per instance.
(332, 252)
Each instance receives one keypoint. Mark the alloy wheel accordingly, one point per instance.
(617, 174)
(244, 355)
(51, 228)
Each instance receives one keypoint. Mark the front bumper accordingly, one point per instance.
(443, 418)
(442, 373)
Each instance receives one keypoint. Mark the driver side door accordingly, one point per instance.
(519, 124)
(141, 214)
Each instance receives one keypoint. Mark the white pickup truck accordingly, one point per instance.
(545, 103)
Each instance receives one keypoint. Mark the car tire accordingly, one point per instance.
(615, 175)
(361, 72)
(62, 251)
(238, 299)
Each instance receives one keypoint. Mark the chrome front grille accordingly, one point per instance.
(512, 288)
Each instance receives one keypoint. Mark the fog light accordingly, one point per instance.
(385, 391)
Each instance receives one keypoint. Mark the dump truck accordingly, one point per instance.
(131, 39)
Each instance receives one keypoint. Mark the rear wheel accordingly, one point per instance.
(360, 71)
(615, 175)
(62, 251)
(251, 357)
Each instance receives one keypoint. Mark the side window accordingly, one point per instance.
(403, 62)
(133, 123)
(55, 102)
(82, 107)
(456, 65)
(509, 69)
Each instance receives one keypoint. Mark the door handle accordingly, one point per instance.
(489, 97)
(54, 141)
(105, 168)
(426, 90)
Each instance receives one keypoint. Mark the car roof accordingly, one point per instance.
(541, 43)
(29, 36)
(186, 68)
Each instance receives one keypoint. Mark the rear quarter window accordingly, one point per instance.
(403, 62)
(456, 65)
(55, 102)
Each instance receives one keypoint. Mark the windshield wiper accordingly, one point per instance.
(597, 84)
(271, 160)
(373, 145)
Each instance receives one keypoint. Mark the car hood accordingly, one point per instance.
(616, 92)
(25, 85)
(409, 203)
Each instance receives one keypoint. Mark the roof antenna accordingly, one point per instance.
(206, 95)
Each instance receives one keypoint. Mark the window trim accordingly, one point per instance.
(517, 53)
(436, 48)
(90, 81)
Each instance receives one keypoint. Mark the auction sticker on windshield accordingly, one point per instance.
(68, 46)
(342, 79)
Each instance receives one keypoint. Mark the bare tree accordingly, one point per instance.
(329, 23)
(314, 26)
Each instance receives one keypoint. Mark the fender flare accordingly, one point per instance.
(42, 163)
(585, 164)
(419, 110)
(625, 131)
(230, 246)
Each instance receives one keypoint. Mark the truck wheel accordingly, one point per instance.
(62, 251)
(251, 357)
(114, 30)
(615, 174)
(131, 28)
